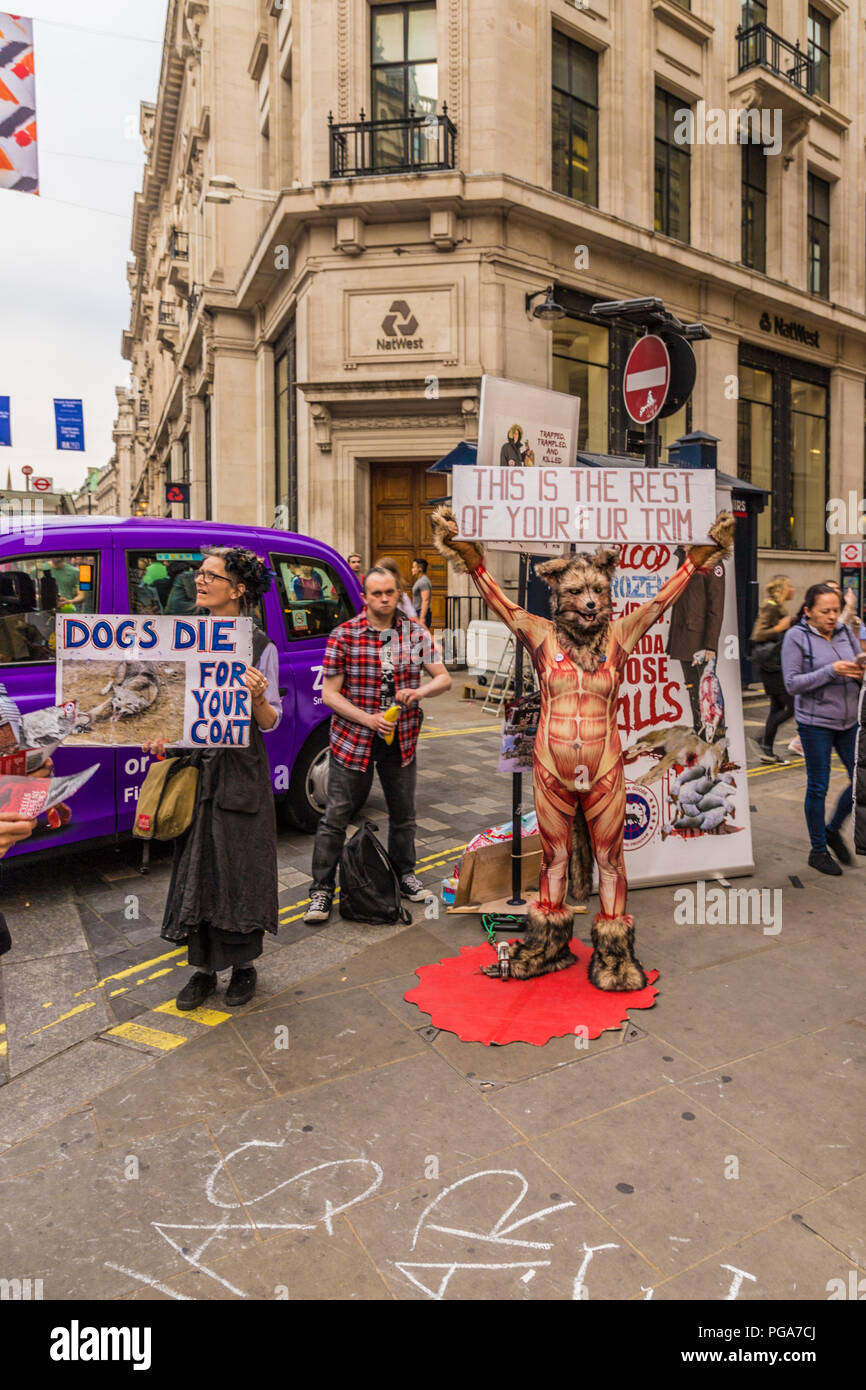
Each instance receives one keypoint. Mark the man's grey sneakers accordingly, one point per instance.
(320, 906)
(413, 889)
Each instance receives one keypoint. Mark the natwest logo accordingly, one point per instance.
(399, 326)
(789, 328)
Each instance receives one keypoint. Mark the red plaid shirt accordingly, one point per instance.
(354, 652)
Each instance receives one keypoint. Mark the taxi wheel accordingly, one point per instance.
(304, 806)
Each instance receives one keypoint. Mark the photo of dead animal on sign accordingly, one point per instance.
(137, 678)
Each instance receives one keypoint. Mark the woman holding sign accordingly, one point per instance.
(223, 892)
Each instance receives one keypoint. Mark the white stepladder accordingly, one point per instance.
(502, 684)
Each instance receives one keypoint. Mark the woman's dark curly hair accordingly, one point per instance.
(244, 567)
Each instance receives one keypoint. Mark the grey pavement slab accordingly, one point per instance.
(54, 929)
(816, 1120)
(587, 1087)
(785, 1262)
(103, 939)
(840, 1219)
(121, 1217)
(285, 968)
(299, 1044)
(322, 1263)
(69, 1138)
(50, 1005)
(504, 1227)
(411, 947)
(31, 1102)
(384, 1132)
(203, 1079)
(659, 1177)
(491, 1067)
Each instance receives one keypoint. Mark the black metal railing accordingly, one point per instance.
(167, 313)
(178, 245)
(761, 47)
(460, 609)
(406, 145)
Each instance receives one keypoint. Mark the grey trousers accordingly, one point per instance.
(348, 789)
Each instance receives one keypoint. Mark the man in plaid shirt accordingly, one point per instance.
(371, 663)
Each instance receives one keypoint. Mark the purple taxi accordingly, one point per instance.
(140, 565)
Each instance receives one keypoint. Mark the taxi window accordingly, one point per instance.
(163, 581)
(312, 596)
(33, 590)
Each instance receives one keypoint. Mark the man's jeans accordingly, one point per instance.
(818, 745)
(348, 789)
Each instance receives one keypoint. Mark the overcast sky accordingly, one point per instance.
(64, 300)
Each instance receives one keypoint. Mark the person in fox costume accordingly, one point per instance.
(578, 778)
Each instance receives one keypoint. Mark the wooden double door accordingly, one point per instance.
(403, 496)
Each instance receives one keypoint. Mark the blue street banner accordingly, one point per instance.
(5, 421)
(69, 420)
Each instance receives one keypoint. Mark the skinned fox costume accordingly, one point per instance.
(578, 778)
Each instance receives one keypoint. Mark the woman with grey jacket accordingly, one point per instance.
(821, 670)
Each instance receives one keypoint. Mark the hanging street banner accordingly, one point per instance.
(5, 420)
(69, 423)
(138, 678)
(558, 506)
(19, 165)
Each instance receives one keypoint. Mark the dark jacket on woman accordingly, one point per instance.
(859, 779)
(225, 869)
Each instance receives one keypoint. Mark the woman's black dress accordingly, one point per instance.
(223, 891)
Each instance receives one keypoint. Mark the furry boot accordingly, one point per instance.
(546, 947)
(614, 965)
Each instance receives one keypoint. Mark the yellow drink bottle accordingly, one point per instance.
(392, 714)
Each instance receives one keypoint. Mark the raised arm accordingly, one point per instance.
(468, 558)
(629, 629)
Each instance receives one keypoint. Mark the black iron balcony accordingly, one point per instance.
(178, 245)
(407, 145)
(760, 47)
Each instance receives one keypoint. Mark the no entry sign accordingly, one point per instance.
(646, 379)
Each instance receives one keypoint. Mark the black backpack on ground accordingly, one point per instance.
(369, 886)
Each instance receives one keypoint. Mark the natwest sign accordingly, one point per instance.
(413, 324)
(789, 328)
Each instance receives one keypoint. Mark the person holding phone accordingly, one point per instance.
(823, 669)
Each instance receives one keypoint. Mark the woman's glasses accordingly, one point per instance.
(208, 576)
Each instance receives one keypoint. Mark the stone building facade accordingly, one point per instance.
(395, 179)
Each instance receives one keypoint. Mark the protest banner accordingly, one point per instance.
(559, 506)
(139, 678)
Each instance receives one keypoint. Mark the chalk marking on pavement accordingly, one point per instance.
(151, 1283)
(80, 1009)
(150, 1037)
(199, 1015)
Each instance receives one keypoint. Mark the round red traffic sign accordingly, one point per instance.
(42, 484)
(646, 379)
(26, 470)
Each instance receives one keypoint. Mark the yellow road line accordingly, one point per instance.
(2, 1027)
(150, 1037)
(457, 733)
(63, 1017)
(4, 1047)
(455, 849)
(156, 974)
(131, 970)
(200, 1015)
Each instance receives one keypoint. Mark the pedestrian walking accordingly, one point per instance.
(821, 670)
(223, 892)
(404, 603)
(372, 663)
(422, 592)
(768, 634)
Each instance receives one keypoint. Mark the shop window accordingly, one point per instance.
(581, 368)
(33, 590)
(672, 170)
(575, 120)
(311, 596)
(755, 439)
(808, 514)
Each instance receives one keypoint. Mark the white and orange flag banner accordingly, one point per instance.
(19, 167)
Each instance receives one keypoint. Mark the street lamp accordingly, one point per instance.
(549, 311)
(222, 189)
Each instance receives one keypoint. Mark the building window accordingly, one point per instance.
(208, 493)
(754, 199)
(575, 120)
(753, 12)
(581, 367)
(184, 471)
(819, 51)
(286, 432)
(404, 79)
(819, 236)
(808, 513)
(671, 171)
(755, 439)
